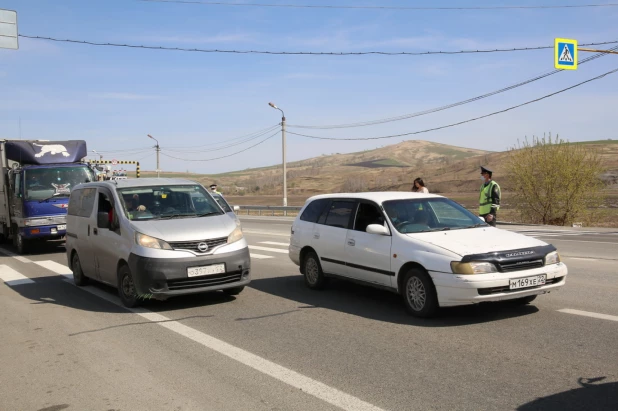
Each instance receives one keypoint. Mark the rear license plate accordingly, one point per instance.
(206, 270)
(61, 227)
(525, 282)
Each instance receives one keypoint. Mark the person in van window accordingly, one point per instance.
(419, 186)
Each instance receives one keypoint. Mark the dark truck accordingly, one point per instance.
(35, 185)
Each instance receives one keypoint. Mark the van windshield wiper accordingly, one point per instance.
(55, 195)
(171, 216)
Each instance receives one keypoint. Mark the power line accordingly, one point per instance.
(461, 122)
(229, 155)
(442, 108)
(245, 138)
(305, 53)
(307, 6)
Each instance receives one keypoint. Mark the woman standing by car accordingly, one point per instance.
(419, 186)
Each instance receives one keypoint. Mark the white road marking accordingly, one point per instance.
(274, 250)
(274, 243)
(279, 234)
(12, 277)
(307, 385)
(589, 314)
(260, 256)
(56, 267)
(15, 256)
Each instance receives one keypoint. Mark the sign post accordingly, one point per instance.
(8, 30)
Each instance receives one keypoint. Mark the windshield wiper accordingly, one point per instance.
(207, 214)
(55, 195)
(171, 216)
(476, 225)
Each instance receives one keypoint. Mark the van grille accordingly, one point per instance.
(520, 265)
(192, 245)
(205, 281)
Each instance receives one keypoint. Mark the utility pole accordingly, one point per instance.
(285, 174)
(158, 150)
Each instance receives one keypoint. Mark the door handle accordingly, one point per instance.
(95, 231)
(351, 242)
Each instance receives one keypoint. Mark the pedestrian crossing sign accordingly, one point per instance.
(565, 52)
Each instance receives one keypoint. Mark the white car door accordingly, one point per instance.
(368, 256)
(329, 236)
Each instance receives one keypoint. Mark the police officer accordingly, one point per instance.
(489, 201)
(213, 189)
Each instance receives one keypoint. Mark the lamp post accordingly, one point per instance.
(100, 155)
(158, 149)
(285, 181)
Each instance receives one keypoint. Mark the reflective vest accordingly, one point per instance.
(485, 203)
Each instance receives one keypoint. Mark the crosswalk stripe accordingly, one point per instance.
(12, 277)
(274, 250)
(56, 267)
(15, 256)
(260, 256)
(274, 243)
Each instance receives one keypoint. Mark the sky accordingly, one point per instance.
(195, 104)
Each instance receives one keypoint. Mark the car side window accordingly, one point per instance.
(339, 214)
(314, 211)
(106, 205)
(89, 195)
(367, 214)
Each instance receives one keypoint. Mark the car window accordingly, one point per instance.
(339, 214)
(367, 214)
(314, 210)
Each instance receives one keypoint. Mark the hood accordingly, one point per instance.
(187, 229)
(478, 240)
(56, 206)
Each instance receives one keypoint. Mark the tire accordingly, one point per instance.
(419, 294)
(78, 274)
(314, 276)
(234, 291)
(19, 242)
(126, 288)
(524, 300)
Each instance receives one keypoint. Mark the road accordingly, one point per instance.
(280, 346)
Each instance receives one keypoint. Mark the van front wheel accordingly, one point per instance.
(126, 287)
(78, 274)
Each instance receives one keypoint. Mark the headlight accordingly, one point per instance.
(151, 242)
(552, 258)
(477, 267)
(236, 235)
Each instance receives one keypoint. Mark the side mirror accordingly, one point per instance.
(236, 208)
(103, 220)
(377, 229)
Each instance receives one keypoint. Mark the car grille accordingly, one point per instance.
(520, 265)
(192, 245)
(505, 288)
(205, 281)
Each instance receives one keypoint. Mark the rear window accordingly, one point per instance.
(339, 214)
(314, 210)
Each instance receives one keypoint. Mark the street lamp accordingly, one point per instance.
(158, 149)
(285, 181)
(100, 155)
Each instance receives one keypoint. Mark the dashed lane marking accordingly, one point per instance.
(260, 256)
(590, 314)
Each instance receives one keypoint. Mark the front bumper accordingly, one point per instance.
(456, 290)
(167, 277)
(43, 232)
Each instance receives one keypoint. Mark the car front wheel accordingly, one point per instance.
(419, 294)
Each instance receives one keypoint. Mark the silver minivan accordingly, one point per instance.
(146, 237)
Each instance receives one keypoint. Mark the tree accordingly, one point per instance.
(554, 182)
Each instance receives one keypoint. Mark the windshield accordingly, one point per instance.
(44, 183)
(224, 205)
(431, 214)
(167, 202)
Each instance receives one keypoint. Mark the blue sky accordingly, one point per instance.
(113, 97)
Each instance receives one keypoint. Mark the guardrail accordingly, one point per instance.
(269, 210)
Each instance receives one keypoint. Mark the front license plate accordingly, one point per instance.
(527, 281)
(206, 270)
(61, 227)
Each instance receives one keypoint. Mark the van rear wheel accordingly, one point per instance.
(126, 288)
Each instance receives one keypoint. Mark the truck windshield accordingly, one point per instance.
(167, 202)
(43, 183)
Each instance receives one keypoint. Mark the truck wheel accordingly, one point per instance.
(19, 242)
(126, 288)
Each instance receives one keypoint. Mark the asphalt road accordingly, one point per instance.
(280, 346)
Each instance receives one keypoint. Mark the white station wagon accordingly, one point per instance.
(426, 247)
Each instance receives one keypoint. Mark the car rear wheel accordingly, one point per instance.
(419, 294)
(78, 274)
(314, 276)
(126, 287)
